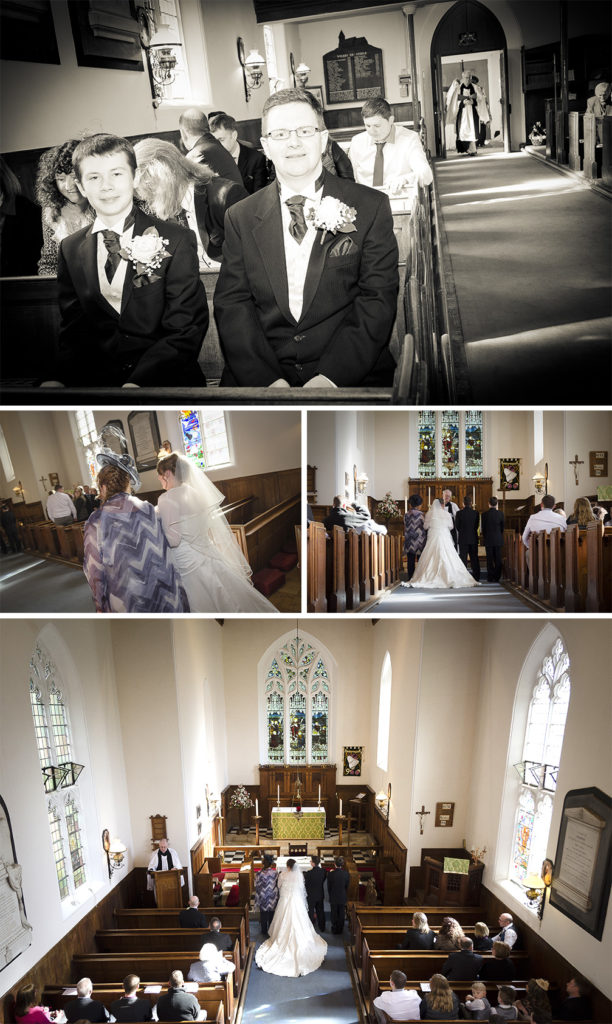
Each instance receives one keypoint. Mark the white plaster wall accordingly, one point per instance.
(35, 450)
(588, 432)
(224, 21)
(321, 452)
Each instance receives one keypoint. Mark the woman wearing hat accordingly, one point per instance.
(127, 560)
(536, 1005)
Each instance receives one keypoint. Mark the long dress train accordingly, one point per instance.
(294, 948)
(439, 566)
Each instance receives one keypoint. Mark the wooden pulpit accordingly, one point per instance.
(168, 888)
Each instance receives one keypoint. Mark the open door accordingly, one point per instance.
(439, 108)
(505, 106)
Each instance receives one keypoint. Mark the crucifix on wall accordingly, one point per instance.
(421, 814)
(43, 481)
(575, 463)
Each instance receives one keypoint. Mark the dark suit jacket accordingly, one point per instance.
(462, 966)
(492, 525)
(156, 339)
(86, 1009)
(21, 238)
(337, 885)
(218, 939)
(208, 150)
(314, 881)
(253, 167)
(131, 1009)
(414, 939)
(210, 204)
(349, 295)
(176, 1004)
(501, 969)
(466, 524)
(189, 917)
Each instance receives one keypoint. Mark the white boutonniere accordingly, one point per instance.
(334, 216)
(146, 252)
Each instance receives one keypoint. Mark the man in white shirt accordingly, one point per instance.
(387, 153)
(60, 507)
(508, 931)
(400, 1003)
(547, 520)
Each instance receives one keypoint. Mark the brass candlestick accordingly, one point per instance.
(340, 818)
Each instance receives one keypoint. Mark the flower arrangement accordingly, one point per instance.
(477, 854)
(387, 508)
(537, 135)
(240, 798)
(146, 253)
(333, 215)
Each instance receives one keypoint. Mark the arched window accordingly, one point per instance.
(297, 704)
(384, 714)
(59, 772)
(542, 744)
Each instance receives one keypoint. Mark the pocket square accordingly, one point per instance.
(342, 247)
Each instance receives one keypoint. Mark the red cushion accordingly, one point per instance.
(268, 580)
(233, 898)
(285, 561)
(290, 545)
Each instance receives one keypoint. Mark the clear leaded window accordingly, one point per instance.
(384, 714)
(473, 444)
(75, 842)
(541, 756)
(205, 437)
(297, 705)
(59, 856)
(427, 444)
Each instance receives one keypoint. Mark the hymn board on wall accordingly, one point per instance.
(353, 71)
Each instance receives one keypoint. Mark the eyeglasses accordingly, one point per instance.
(282, 134)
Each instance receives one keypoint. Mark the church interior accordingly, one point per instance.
(252, 456)
(513, 264)
(427, 719)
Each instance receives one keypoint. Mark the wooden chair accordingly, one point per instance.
(298, 849)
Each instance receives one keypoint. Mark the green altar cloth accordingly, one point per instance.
(285, 824)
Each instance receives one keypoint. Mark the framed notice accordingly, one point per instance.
(444, 815)
(598, 463)
(353, 71)
(105, 35)
(581, 881)
(146, 441)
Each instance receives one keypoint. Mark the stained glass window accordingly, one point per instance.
(55, 827)
(473, 444)
(450, 444)
(75, 842)
(427, 444)
(297, 705)
(59, 726)
(205, 438)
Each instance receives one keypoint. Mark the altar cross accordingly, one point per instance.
(43, 481)
(575, 463)
(421, 814)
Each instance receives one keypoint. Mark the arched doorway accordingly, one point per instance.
(470, 34)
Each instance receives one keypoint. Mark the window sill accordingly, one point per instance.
(78, 899)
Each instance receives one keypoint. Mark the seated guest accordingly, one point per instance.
(535, 1007)
(173, 188)
(386, 153)
(211, 966)
(20, 227)
(477, 1006)
(577, 1006)
(499, 967)
(508, 933)
(130, 1007)
(136, 297)
(60, 507)
(400, 1003)
(26, 1009)
(505, 1009)
(482, 942)
(202, 147)
(547, 520)
(307, 290)
(450, 934)
(340, 516)
(464, 965)
(440, 1003)
(190, 916)
(176, 1004)
(420, 936)
(84, 1007)
(251, 163)
(219, 939)
(64, 208)
(582, 514)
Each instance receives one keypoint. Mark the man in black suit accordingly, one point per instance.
(337, 888)
(308, 287)
(452, 509)
(133, 308)
(84, 1007)
(190, 916)
(200, 145)
(251, 163)
(464, 965)
(315, 892)
(129, 1007)
(217, 937)
(492, 527)
(466, 523)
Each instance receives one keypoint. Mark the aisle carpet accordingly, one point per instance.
(30, 584)
(488, 598)
(324, 997)
(532, 263)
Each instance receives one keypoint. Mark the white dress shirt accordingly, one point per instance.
(401, 1004)
(60, 505)
(547, 520)
(509, 933)
(188, 204)
(403, 154)
(113, 290)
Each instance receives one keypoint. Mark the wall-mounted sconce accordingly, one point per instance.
(362, 482)
(383, 802)
(252, 68)
(534, 887)
(539, 483)
(162, 61)
(115, 852)
(18, 491)
(300, 73)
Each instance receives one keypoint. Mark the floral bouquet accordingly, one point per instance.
(240, 798)
(387, 508)
(537, 135)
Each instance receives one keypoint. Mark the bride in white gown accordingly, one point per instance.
(213, 570)
(294, 948)
(439, 565)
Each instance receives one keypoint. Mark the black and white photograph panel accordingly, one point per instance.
(343, 822)
(459, 511)
(168, 511)
(306, 200)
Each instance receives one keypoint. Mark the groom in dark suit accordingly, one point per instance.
(133, 308)
(314, 881)
(466, 523)
(492, 526)
(308, 287)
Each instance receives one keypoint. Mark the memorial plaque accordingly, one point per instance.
(15, 931)
(353, 71)
(444, 815)
(598, 463)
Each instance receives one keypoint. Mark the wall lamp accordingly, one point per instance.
(362, 482)
(162, 61)
(300, 74)
(17, 491)
(536, 886)
(252, 68)
(539, 483)
(115, 851)
(383, 802)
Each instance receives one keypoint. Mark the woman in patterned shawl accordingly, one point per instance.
(414, 532)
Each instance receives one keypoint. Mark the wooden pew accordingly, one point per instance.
(315, 556)
(388, 939)
(460, 988)
(146, 917)
(111, 967)
(417, 966)
(262, 537)
(575, 568)
(351, 570)
(159, 940)
(599, 568)
(215, 997)
(335, 557)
